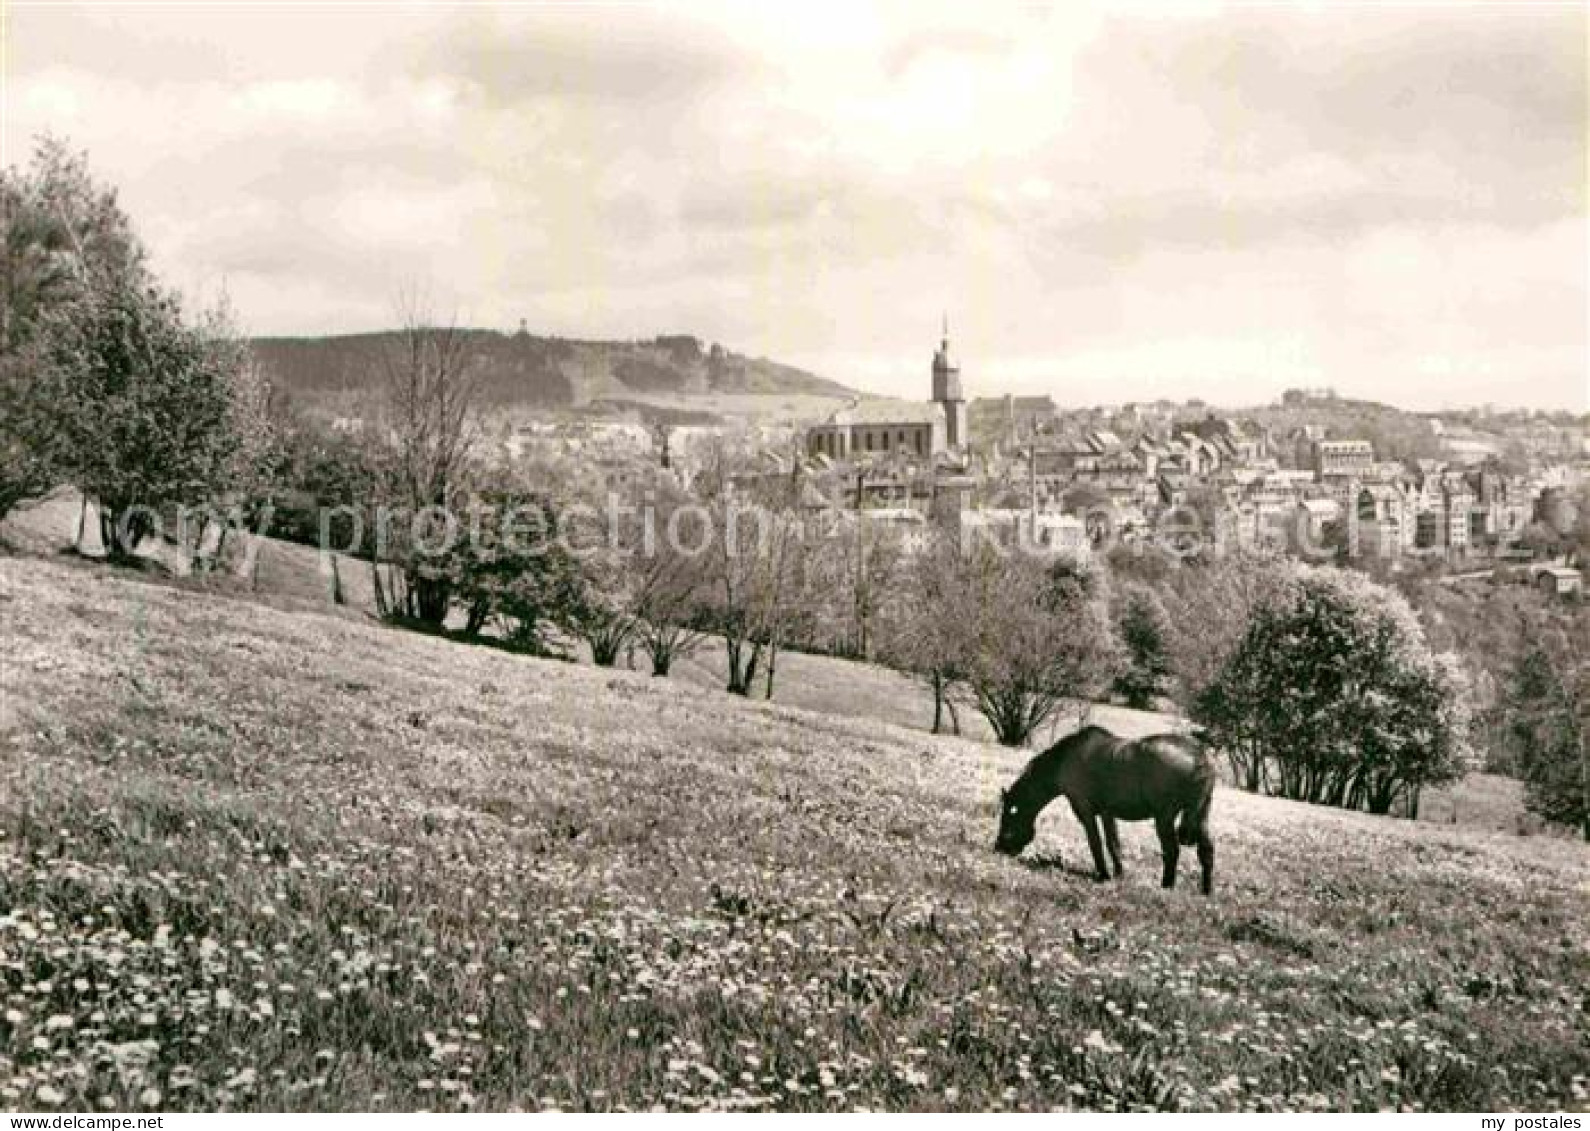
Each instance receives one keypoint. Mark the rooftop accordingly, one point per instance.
(887, 410)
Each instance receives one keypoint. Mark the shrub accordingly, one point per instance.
(1332, 696)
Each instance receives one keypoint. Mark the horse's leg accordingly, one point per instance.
(1090, 825)
(1169, 850)
(1206, 861)
(1112, 841)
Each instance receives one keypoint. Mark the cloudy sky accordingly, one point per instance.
(1111, 203)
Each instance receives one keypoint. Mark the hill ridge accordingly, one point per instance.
(522, 370)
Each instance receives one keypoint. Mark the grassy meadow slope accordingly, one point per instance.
(257, 857)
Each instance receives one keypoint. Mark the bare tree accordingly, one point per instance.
(927, 626)
(671, 588)
(756, 564)
(431, 428)
(859, 559)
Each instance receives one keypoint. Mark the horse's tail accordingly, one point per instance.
(1196, 815)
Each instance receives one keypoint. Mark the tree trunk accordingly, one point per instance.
(733, 650)
(748, 677)
(604, 650)
(772, 663)
(382, 605)
(432, 596)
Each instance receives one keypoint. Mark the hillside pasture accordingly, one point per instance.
(298, 577)
(260, 858)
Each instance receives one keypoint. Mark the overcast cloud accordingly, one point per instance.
(1111, 204)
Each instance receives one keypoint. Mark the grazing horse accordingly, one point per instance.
(1163, 776)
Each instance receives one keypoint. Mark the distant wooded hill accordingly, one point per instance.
(525, 371)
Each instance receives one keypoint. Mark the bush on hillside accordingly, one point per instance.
(1143, 628)
(1332, 696)
(1544, 718)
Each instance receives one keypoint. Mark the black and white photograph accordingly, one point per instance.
(817, 557)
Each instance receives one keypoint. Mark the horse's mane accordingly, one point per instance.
(1060, 750)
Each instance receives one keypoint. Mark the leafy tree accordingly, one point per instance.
(323, 476)
(1545, 712)
(1042, 639)
(147, 411)
(61, 235)
(1208, 603)
(1142, 626)
(513, 568)
(243, 488)
(1541, 540)
(1332, 696)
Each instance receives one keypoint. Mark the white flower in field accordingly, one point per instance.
(265, 1008)
(149, 1097)
(58, 1021)
(223, 998)
(1096, 1040)
(49, 1095)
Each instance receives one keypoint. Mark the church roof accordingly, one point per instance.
(886, 410)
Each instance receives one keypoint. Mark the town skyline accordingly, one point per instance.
(1217, 205)
(903, 388)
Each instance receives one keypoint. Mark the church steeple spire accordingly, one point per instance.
(947, 388)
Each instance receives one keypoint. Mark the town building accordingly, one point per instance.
(1559, 581)
(1342, 457)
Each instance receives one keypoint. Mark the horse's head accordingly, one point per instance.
(1016, 819)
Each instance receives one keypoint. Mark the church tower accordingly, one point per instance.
(947, 392)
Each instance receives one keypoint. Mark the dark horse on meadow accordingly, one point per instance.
(1169, 777)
